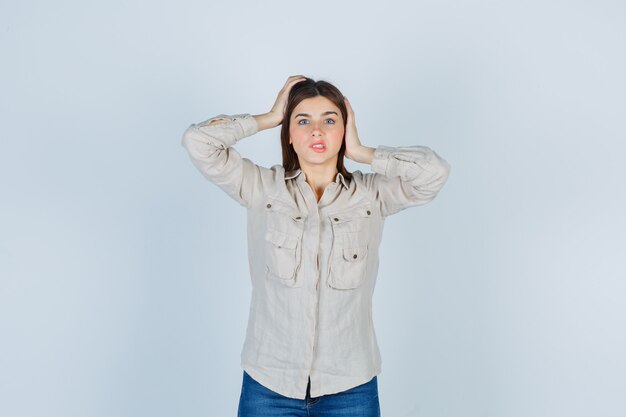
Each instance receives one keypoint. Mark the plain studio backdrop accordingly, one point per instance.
(124, 282)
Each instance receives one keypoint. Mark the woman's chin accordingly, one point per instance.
(319, 159)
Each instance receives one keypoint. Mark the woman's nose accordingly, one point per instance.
(317, 128)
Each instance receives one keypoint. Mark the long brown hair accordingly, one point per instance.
(304, 89)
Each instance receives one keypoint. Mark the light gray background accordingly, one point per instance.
(110, 304)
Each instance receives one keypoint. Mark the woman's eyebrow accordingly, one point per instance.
(323, 114)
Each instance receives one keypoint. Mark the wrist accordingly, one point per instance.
(267, 120)
(363, 154)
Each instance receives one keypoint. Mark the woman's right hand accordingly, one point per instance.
(278, 110)
(275, 116)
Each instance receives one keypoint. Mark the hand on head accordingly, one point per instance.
(278, 110)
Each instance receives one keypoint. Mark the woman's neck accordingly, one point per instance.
(319, 176)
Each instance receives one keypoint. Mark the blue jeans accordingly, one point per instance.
(258, 401)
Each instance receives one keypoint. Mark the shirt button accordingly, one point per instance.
(269, 205)
(369, 212)
(298, 218)
(354, 256)
(336, 219)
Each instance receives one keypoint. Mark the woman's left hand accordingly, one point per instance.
(354, 149)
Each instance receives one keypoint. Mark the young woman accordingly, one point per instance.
(313, 235)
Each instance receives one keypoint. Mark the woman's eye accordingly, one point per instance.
(306, 121)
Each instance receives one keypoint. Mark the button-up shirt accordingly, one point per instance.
(313, 264)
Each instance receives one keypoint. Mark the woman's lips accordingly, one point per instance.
(318, 150)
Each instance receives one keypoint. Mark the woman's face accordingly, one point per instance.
(316, 121)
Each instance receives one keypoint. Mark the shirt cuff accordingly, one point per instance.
(245, 121)
(381, 159)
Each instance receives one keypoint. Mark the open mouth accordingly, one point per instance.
(318, 146)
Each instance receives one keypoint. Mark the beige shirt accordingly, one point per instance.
(313, 264)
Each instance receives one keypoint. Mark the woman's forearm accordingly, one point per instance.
(363, 154)
(267, 120)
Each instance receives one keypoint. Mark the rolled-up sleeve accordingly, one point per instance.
(410, 176)
(209, 145)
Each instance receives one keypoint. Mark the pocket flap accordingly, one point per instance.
(279, 206)
(345, 216)
(281, 240)
(354, 254)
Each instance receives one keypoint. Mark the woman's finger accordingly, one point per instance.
(293, 79)
(281, 99)
(348, 107)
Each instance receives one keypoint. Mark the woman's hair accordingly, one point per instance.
(304, 89)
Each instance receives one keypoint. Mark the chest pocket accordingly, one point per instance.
(351, 233)
(283, 242)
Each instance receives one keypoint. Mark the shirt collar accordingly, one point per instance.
(296, 173)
